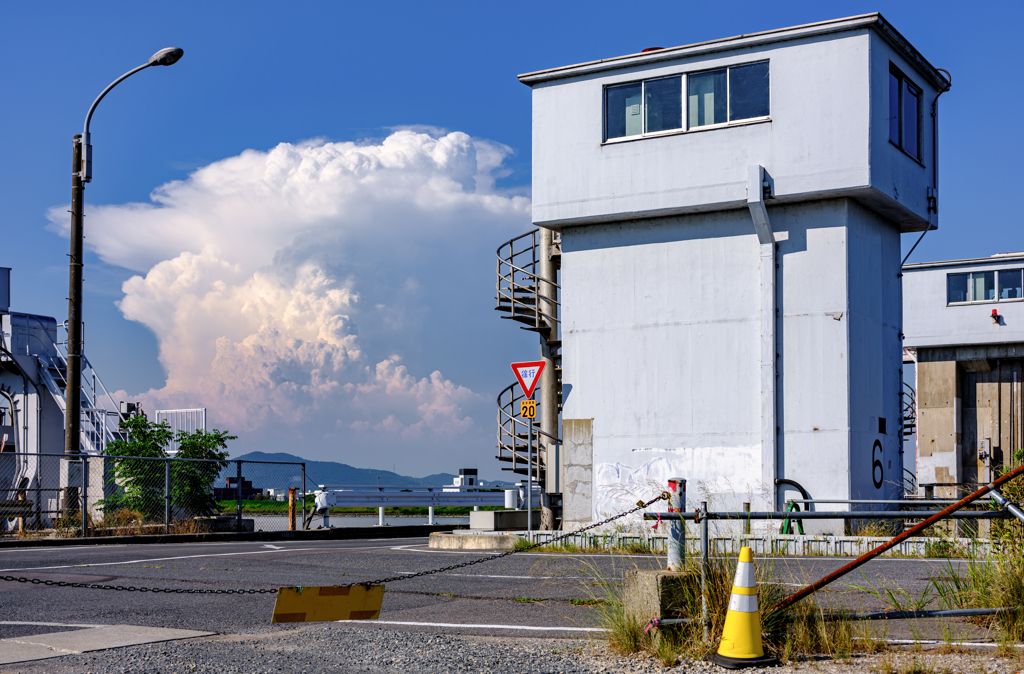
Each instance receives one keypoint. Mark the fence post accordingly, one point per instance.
(380, 516)
(676, 542)
(704, 568)
(291, 508)
(85, 497)
(239, 492)
(303, 487)
(430, 515)
(746, 522)
(167, 496)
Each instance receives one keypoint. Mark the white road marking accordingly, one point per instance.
(18, 622)
(482, 627)
(168, 559)
(273, 547)
(481, 575)
(914, 642)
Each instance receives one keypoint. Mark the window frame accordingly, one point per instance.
(905, 82)
(684, 107)
(995, 286)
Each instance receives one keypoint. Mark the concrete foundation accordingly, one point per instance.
(655, 593)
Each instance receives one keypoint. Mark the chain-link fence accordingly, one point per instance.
(45, 495)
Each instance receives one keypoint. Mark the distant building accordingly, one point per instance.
(729, 215)
(964, 324)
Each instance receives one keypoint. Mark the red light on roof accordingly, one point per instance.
(651, 49)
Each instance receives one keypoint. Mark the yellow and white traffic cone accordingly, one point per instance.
(741, 638)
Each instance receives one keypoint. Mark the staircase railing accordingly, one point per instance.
(909, 402)
(519, 286)
(99, 411)
(513, 432)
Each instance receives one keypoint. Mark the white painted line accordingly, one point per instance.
(929, 642)
(18, 622)
(273, 547)
(480, 627)
(169, 559)
(481, 575)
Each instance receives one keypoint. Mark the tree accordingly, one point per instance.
(139, 482)
(192, 482)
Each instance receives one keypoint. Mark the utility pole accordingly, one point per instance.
(548, 449)
(73, 392)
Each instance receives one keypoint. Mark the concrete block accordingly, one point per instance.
(501, 520)
(655, 593)
(472, 541)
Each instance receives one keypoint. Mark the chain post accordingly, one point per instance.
(676, 539)
(704, 568)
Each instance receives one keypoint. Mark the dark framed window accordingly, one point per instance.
(713, 97)
(904, 113)
(985, 286)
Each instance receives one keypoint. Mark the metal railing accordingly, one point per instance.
(99, 411)
(513, 433)
(44, 495)
(518, 285)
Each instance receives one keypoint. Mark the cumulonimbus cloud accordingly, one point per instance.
(261, 276)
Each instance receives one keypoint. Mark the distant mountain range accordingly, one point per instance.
(334, 473)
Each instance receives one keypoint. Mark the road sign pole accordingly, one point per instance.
(529, 476)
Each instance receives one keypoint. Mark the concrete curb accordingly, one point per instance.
(340, 534)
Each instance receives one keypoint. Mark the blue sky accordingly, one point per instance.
(414, 280)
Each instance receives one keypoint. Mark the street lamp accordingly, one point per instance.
(81, 172)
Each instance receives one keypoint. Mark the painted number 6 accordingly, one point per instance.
(876, 465)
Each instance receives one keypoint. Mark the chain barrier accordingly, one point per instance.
(641, 505)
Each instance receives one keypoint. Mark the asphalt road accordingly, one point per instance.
(524, 595)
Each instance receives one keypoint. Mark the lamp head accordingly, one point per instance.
(166, 57)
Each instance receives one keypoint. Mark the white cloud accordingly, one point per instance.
(281, 284)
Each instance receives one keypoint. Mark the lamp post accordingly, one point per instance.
(81, 173)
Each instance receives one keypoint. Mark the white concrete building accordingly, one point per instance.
(730, 216)
(964, 323)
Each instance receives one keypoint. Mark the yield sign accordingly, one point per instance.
(528, 375)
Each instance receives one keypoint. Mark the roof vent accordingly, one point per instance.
(651, 49)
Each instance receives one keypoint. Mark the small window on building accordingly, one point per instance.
(904, 113)
(624, 112)
(748, 91)
(708, 101)
(980, 286)
(1010, 284)
(663, 101)
(956, 288)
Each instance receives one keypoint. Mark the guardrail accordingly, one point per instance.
(403, 497)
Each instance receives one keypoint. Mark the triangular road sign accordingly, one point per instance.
(528, 375)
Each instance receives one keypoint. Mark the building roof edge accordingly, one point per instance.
(873, 20)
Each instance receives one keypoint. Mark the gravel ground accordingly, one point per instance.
(329, 648)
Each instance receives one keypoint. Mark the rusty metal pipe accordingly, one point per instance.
(896, 540)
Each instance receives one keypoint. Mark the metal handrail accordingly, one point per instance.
(92, 393)
(507, 285)
(508, 428)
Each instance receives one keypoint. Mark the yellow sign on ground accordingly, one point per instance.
(528, 409)
(335, 602)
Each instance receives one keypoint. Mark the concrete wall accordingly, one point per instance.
(660, 336)
(827, 136)
(965, 397)
(929, 322)
(578, 471)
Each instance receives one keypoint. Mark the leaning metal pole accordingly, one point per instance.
(896, 540)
